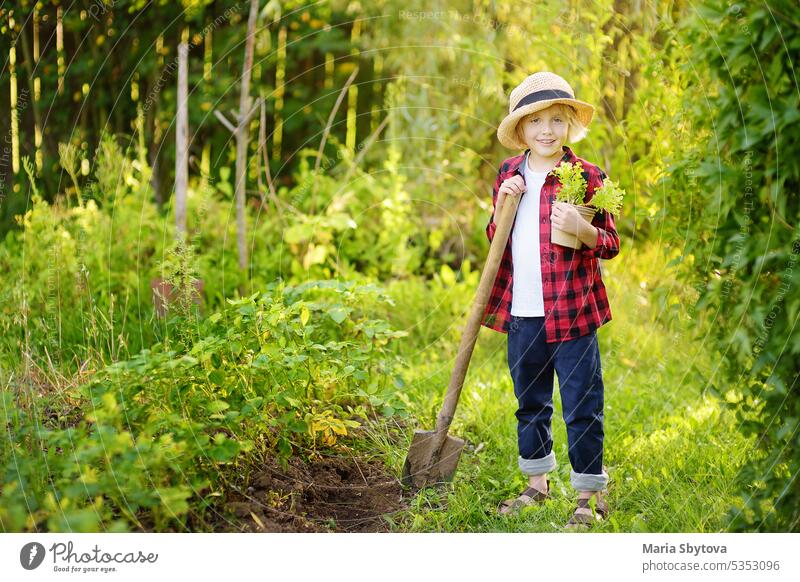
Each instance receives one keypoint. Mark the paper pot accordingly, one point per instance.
(564, 239)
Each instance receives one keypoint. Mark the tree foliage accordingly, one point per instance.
(734, 209)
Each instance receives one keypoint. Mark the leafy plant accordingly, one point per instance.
(328, 426)
(608, 197)
(69, 158)
(573, 189)
(287, 370)
(573, 184)
(179, 270)
(113, 169)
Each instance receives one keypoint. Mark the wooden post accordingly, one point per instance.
(280, 78)
(182, 139)
(241, 131)
(243, 136)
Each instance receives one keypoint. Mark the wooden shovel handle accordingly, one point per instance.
(506, 208)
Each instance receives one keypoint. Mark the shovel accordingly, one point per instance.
(434, 455)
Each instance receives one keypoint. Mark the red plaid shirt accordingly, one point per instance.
(575, 299)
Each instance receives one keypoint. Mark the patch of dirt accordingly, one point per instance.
(334, 494)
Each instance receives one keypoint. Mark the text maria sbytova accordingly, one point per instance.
(683, 549)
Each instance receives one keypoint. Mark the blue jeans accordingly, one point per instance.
(532, 362)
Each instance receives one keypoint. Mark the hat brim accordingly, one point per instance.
(506, 132)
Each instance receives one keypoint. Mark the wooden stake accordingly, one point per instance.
(182, 138)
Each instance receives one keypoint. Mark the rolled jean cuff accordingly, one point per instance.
(538, 466)
(588, 482)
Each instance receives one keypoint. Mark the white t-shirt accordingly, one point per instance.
(527, 298)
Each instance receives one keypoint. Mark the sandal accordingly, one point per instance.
(580, 519)
(529, 496)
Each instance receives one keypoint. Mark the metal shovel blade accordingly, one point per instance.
(421, 469)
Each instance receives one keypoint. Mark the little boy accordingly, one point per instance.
(550, 299)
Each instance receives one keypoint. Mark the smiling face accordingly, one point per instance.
(544, 132)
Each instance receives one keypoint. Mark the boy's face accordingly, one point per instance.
(544, 131)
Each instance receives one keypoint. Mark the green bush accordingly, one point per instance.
(365, 226)
(288, 371)
(738, 220)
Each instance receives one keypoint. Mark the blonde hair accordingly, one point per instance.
(576, 131)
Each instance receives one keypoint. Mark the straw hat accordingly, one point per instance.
(539, 91)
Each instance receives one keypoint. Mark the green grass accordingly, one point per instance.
(672, 450)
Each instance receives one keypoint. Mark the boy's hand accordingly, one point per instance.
(566, 218)
(513, 186)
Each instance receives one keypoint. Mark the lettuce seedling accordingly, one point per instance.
(608, 197)
(573, 184)
(573, 189)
